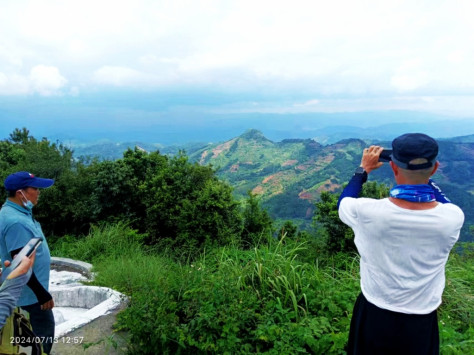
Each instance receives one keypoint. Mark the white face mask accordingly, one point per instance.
(28, 204)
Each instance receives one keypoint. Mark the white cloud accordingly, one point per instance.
(461, 106)
(317, 48)
(410, 75)
(313, 102)
(13, 84)
(119, 76)
(46, 80)
(3, 79)
(456, 57)
(428, 99)
(148, 59)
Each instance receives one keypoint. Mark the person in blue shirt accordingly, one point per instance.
(17, 227)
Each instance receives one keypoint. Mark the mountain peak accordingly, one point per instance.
(253, 134)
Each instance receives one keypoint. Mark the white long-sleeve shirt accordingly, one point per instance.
(403, 252)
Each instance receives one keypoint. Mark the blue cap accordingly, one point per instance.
(412, 146)
(23, 179)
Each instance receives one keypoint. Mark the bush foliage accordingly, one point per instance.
(276, 298)
(170, 200)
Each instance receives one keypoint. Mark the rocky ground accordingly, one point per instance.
(95, 338)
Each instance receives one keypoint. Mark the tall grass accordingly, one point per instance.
(456, 313)
(108, 241)
(272, 299)
(274, 271)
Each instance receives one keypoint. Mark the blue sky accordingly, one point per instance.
(145, 59)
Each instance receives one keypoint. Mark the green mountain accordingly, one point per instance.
(290, 175)
(463, 139)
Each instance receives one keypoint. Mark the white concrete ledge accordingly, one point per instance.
(96, 301)
(78, 265)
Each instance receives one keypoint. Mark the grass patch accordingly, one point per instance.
(274, 299)
(108, 241)
(456, 313)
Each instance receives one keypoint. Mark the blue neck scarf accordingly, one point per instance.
(413, 193)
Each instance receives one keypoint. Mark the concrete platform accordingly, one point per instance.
(84, 314)
(94, 338)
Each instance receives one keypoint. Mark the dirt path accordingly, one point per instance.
(95, 338)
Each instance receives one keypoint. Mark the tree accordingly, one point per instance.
(189, 207)
(339, 237)
(372, 189)
(21, 136)
(171, 200)
(22, 152)
(10, 155)
(289, 230)
(257, 222)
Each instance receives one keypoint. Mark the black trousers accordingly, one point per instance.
(379, 331)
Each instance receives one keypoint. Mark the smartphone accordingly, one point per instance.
(385, 155)
(27, 250)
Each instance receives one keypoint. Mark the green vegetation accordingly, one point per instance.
(289, 176)
(277, 298)
(169, 200)
(207, 273)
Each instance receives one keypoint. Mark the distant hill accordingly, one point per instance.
(290, 175)
(109, 150)
(177, 127)
(463, 139)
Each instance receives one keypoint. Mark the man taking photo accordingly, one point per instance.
(404, 243)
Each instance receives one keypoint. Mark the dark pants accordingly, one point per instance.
(379, 331)
(42, 323)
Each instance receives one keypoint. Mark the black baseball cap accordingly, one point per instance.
(412, 146)
(22, 179)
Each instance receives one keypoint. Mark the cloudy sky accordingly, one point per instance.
(248, 56)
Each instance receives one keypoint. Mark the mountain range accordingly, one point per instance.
(74, 124)
(290, 175)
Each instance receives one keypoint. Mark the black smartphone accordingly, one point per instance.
(27, 250)
(385, 156)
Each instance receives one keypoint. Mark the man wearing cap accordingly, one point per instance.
(404, 242)
(17, 227)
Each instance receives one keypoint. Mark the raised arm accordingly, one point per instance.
(369, 162)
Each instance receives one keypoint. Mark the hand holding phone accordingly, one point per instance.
(27, 250)
(385, 156)
(26, 263)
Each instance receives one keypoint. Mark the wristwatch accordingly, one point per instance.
(361, 171)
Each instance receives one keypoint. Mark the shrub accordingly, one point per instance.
(456, 313)
(272, 299)
(257, 223)
(337, 236)
(102, 242)
(189, 208)
(234, 301)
